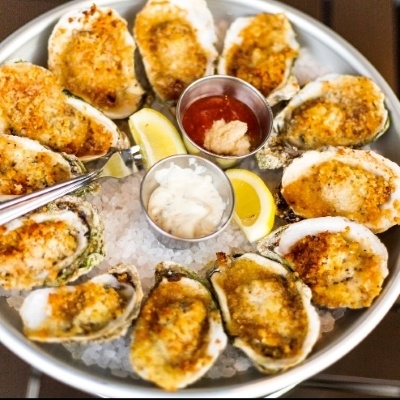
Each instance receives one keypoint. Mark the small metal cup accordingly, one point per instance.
(217, 85)
(219, 179)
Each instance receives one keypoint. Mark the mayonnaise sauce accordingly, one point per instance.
(186, 204)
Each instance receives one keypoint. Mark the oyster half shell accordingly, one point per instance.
(34, 105)
(91, 51)
(333, 110)
(261, 50)
(51, 246)
(27, 166)
(179, 334)
(342, 261)
(176, 40)
(361, 185)
(98, 310)
(266, 309)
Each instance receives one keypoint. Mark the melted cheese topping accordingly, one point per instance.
(35, 251)
(266, 311)
(170, 345)
(346, 112)
(263, 52)
(26, 167)
(338, 188)
(176, 46)
(340, 271)
(70, 312)
(33, 105)
(92, 53)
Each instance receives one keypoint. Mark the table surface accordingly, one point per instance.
(376, 358)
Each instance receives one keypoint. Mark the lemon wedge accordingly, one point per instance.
(116, 167)
(254, 204)
(156, 135)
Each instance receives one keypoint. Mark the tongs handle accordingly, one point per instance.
(21, 205)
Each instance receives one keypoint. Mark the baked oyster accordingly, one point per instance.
(98, 310)
(342, 261)
(27, 166)
(178, 334)
(261, 49)
(176, 40)
(91, 51)
(34, 105)
(51, 246)
(266, 309)
(332, 110)
(361, 185)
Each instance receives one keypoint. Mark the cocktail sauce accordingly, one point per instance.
(201, 114)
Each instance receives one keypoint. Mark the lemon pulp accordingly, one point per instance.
(254, 204)
(156, 135)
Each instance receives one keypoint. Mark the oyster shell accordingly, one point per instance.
(91, 51)
(361, 185)
(333, 110)
(261, 50)
(98, 310)
(266, 309)
(27, 166)
(34, 105)
(176, 40)
(179, 334)
(342, 261)
(51, 246)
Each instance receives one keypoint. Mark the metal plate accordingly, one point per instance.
(327, 49)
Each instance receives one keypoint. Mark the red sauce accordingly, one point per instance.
(202, 113)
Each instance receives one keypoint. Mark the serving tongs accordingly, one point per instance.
(98, 168)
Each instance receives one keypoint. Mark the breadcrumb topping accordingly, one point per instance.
(347, 112)
(264, 55)
(340, 271)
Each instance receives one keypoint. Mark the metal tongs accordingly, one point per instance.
(131, 160)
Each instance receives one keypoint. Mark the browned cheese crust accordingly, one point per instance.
(83, 310)
(345, 114)
(171, 333)
(172, 54)
(334, 188)
(266, 309)
(29, 253)
(339, 271)
(24, 171)
(96, 62)
(262, 56)
(34, 106)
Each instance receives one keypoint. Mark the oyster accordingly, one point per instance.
(34, 105)
(179, 334)
(91, 51)
(266, 309)
(51, 246)
(27, 166)
(342, 261)
(98, 310)
(261, 50)
(176, 40)
(333, 110)
(361, 185)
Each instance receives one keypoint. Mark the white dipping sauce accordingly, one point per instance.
(186, 204)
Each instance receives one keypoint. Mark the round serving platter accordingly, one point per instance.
(323, 50)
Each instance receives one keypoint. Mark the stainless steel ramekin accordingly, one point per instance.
(217, 85)
(220, 181)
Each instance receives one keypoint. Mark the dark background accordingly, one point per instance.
(370, 26)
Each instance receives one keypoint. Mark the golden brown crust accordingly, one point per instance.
(33, 105)
(263, 55)
(340, 271)
(172, 53)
